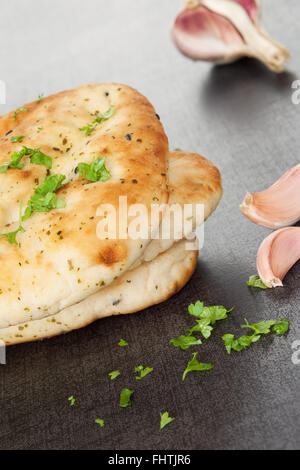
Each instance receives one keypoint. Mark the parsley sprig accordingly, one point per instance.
(207, 317)
(262, 328)
(195, 365)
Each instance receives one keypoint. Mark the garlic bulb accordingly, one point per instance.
(277, 254)
(223, 31)
(277, 206)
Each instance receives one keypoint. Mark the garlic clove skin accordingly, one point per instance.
(222, 31)
(277, 206)
(202, 34)
(277, 254)
(251, 7)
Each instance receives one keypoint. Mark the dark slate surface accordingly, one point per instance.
(242, 118)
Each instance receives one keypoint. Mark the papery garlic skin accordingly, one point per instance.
(279, 205)
(277, 254)
(251, 6)
(222, 31)
(210, 36)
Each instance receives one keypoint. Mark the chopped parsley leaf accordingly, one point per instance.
(196, 309)
(207, 316)
(44, 198)
(36, 157)
(281, 327)
(213, 314)
(103, 117)
(12, 236)
(262, 328)
(15, 162)
(203, 326)
(99, 119)
(255, 281)
(122, 342)
(72, 401)
(239, 344)
(185, 342)
(17, 138)
(96, 171)
(114, 374)
(17, 111)
(165, 419)
(194, 365)
(143, 371)
(125, 397)
(100, 422)
(39, 158)
(40, 98)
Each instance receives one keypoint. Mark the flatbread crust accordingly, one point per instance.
(148, 284)
(192, 180)
(60, 261)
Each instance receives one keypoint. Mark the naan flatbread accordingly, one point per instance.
(60, 260)
(147, 285)
(193, 179)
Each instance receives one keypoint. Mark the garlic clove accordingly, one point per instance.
(202, 34)
(222, 31)
(277, 206)
(277, 254)
(251, 6)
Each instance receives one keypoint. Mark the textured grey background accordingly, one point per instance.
(242, 118)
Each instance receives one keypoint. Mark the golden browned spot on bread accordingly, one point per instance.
(113, 253)
(25, 174)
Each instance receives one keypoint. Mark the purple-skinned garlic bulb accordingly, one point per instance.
(223, 31)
